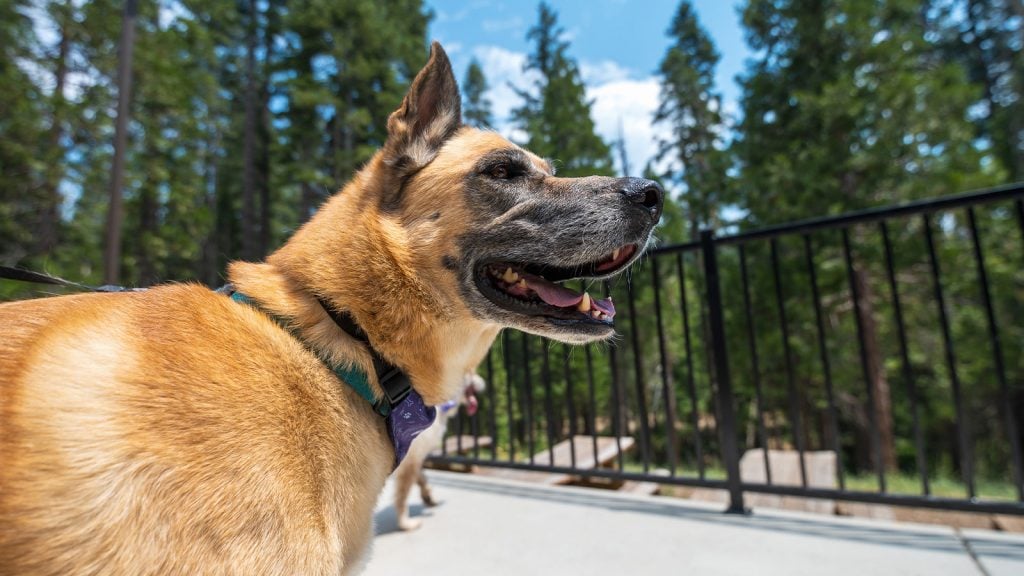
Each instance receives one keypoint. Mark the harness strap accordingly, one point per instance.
(393, 381)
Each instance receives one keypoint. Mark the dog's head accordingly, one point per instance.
(492, 226)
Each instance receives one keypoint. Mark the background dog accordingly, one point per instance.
(176, 431)
(411, 469)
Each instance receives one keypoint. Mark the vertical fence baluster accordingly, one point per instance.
(638, 381)
(617, 424)
(794, 397)
(826, 369)
(528, 395)
(997, 354)
(755, 365)
(963, 434)
(876, 441)
(570, 402)
(549, 410)
(666, 388)
(908, 374)
(691, 384)
(506, 345)
(492, 407)
(727, 416)
(459, 423)
(592, 393)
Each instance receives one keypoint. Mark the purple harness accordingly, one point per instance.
(406, 421)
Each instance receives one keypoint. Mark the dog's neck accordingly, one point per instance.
(354, 261)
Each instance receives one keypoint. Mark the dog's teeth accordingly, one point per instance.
(522, 284)
(615, 253)
(510, 276)
(595, 314)
(584, 305)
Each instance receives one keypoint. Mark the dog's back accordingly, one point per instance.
(124, 416)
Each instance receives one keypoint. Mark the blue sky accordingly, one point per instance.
(618, 44)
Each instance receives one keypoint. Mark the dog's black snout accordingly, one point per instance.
(644, 193)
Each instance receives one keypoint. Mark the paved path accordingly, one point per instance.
(490, 527)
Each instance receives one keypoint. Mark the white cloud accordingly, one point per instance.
(631, 105)
(504, 72)
(602, 72)
(618, 98)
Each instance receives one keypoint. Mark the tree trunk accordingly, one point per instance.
(876, 370)
(115, 214)
(265, 131)
(307, 202)
(147, 234)
(210, 249)
(250, 232)
(50, 212)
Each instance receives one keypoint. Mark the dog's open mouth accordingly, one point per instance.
(533, 289)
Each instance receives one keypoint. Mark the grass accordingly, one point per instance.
(942, 485)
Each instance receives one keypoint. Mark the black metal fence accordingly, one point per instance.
(891, 339)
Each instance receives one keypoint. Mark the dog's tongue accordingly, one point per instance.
(563, 297)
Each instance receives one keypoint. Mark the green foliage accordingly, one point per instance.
(691, 110)
(985, 37)
(556, 113)
(476, 108)
(850, 105)
(22, 126)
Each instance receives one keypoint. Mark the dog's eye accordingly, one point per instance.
(501, 172)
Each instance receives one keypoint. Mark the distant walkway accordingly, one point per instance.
(492, 527)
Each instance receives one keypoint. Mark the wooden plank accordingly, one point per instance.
(452, 444)
(607, 452)
(547, 478)
(644, 488)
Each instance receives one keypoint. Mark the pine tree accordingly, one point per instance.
(691, 110)
(556, 113)
(843, 110)
(476, 109)
(115, 214)
(352, 61)
(985, 35)
(22, 124)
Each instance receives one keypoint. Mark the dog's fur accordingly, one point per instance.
(173, 431)
(410, 471)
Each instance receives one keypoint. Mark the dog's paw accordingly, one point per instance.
(429, 501)
(408, 524)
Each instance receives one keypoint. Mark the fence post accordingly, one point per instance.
(726, 411)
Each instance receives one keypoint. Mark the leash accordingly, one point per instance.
(20, 275)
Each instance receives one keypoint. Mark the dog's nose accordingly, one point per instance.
(643, 193)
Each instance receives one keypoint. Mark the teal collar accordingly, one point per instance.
(394, 382)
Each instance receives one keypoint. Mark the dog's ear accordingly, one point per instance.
(430, 113)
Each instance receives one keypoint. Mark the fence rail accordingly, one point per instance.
(890, 340)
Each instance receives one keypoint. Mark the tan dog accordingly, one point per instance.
(411, 469)
(175, 431)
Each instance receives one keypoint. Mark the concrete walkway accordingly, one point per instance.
(490, 527)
